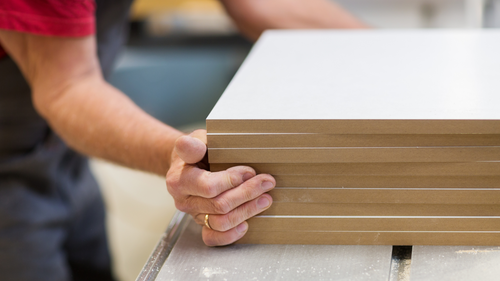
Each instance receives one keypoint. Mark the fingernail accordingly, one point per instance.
(242, 228)
(247, 176)
(263, 202)
(267, 185)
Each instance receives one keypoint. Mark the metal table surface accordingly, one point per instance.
(455, 263)
(181, 255)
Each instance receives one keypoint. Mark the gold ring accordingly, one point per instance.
(206, 222)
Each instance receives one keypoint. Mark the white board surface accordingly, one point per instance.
(361, 75)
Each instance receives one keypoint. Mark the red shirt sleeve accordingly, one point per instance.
(67, 18)
(71, 18)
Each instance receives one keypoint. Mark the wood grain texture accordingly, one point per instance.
(371, 238)
(373, 169)
(336, 181)
(355, 155)
(389, 196)
(372, 223)
(374, 209)
(260, 140)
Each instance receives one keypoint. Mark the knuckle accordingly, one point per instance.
(243, 213)
(225, 222)
(215, 183)
(173, 181)
(231, 179)
(242, 170)
(221, 205)
(249, 192)
(181, 206)
(249, 210)
(211, 189)
(171, 189)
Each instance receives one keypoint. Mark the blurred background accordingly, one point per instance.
(180, 57)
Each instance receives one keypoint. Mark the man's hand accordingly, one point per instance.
(229, 197)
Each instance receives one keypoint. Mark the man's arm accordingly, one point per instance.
(96, 119)
(254, 16)
(93, 117)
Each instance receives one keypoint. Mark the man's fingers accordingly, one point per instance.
(229, 200)
(198, 182)
(240, 214)
(216, 238)
(247, 191)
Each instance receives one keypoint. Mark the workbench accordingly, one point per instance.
(181, 255)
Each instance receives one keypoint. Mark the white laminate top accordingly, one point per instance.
(374, 74)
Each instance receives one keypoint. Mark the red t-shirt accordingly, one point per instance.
(67, 18)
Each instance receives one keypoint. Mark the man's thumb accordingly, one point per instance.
(190, 150)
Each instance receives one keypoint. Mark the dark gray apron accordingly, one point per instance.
(51, 210)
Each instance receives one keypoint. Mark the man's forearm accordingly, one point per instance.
(96, 119)
(254, 16)
(89, 114)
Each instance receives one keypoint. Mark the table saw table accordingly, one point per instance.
(181, 255)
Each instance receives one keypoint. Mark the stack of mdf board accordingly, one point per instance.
(374, 137)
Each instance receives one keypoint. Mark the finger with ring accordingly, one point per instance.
(207, 224)
(240, 214)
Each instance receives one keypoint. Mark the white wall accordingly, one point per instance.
(424, 13)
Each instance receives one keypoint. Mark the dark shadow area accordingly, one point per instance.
(400, 263)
